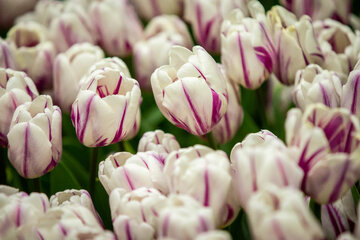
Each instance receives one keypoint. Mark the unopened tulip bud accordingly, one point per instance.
(315, 85)
(120, 38)
(35, 138)
(33, 52)
(69, 68)
(9, 10)
(105, 109)
(81, 197)
(158, 141)
(191, 91)
(295, 43)
(184, 218)
(254, 162)
(281, 213)
(244, 45)
(6, 57)
(203, 174)
(226, 129)
(150, 8)
(16, 89)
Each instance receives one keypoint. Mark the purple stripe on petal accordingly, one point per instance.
(355, 95)
(40, 236)
(282, 171)
(18, 215)
(337, 188)
(216, 105)
(85, 122)
(324, 95)
(277, 230)
(155, 7)
(128, 179)
(253, 173)
(264, 57)
(179, 123)
(62, 229)
(116, 90)
(332, 126)
(207, 187)
(230, 213)
(127, 230)
(203, 224)
(119, 133)
(25, 161)
(341, 225)
(165, 225)
(243, 63)
(3, 140)
(5, 55)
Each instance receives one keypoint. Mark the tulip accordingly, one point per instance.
(134, 131)
(320, 9)
(315, 85)
(72, 221)
(214, 235)
(295, 43)
(327, 142)
(16, 89)
(244, 43)
(350, 99)
(338, 217)
(72, 26)
(203, 174)
(6, 57)
(81, 197)
(158, 141)
(225, 130)
(255, 161)
(69, 67)
(281, 213)
(129, 172)
(33, 52)
(340, 46)
(120, 38)
(184, 218)
(182, 90)
(141, 206)
(127, 228)
(20, 213)
(148, 9)
(10, 9)
(105, 109)
(35, 139)
(161, 34)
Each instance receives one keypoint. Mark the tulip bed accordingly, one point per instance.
(180, 119)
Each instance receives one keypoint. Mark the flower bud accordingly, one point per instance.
(127, 228)
(327, 141)
(183, 89)
(315, 85)
(35, 139)
(295, 43)
(72, 26)
(255, 161)
(6, 57)
(16, 88)
(116, 39)
(81, 197)
(158, 141)
(244, 44)
(203, 174)
(161, 34)
(105, 109)
(184, 218)
(148, 9)
(226, 129)
(33, 53)
(281, 213)
(69, 67)
(9, 10)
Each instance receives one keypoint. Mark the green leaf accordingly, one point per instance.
(61, 178)
(239, 229)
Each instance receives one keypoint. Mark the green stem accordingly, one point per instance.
(24, 185)
(121, 146)
(316, 209)
(93, 168)
(3, 160)
(211, 140)
(355, 194)
(36, 182)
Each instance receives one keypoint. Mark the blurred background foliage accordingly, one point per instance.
(73, 170)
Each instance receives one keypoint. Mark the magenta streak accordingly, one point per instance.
(347, 147)
(116, 91)
(157, 139)
(39, 235)
(243, 63)
(333, 220)
(216, 105)
(207, 189)
(13, 100)
(264, 57)
(165, 225)
(92, 81)
(18, 215)
(155, 7)
(128, 179)
(5, 54)
(302, 50)
(179, 123)
(308, 7)
(227, 125)
(282, 171)
(355, 95)
(203, 224)
(29, 92)
(85, 122)
(336, 190)
(342, 227)
(324, 95)
(119, 132)
(253, 173)
(27, 130)
(127, 230)
(277, 230)
(49, 124)
(62, 228)
(230, 213)
(332, 126)
(195, 113)
(336, 141)
(143, 214)
(267, 37)
(66, 31)
(147, 166)
(80, 218)
(43, 204)
(202, 75)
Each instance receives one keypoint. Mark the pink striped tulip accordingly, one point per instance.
(35, 138)
(33, 52)
(158, 141)
(251, 160)
(225, 130)
(184, 218)
(150, 8)
(281, 213)
(245, 43)
(350, 99)
(105, 109)
(128, 228)
(183, 89)
(7, 59)
(315, 85)
(328, 145)
(199, 172)
(16, 89)
(118, 39)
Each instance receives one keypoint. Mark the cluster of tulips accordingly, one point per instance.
(92, 61)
